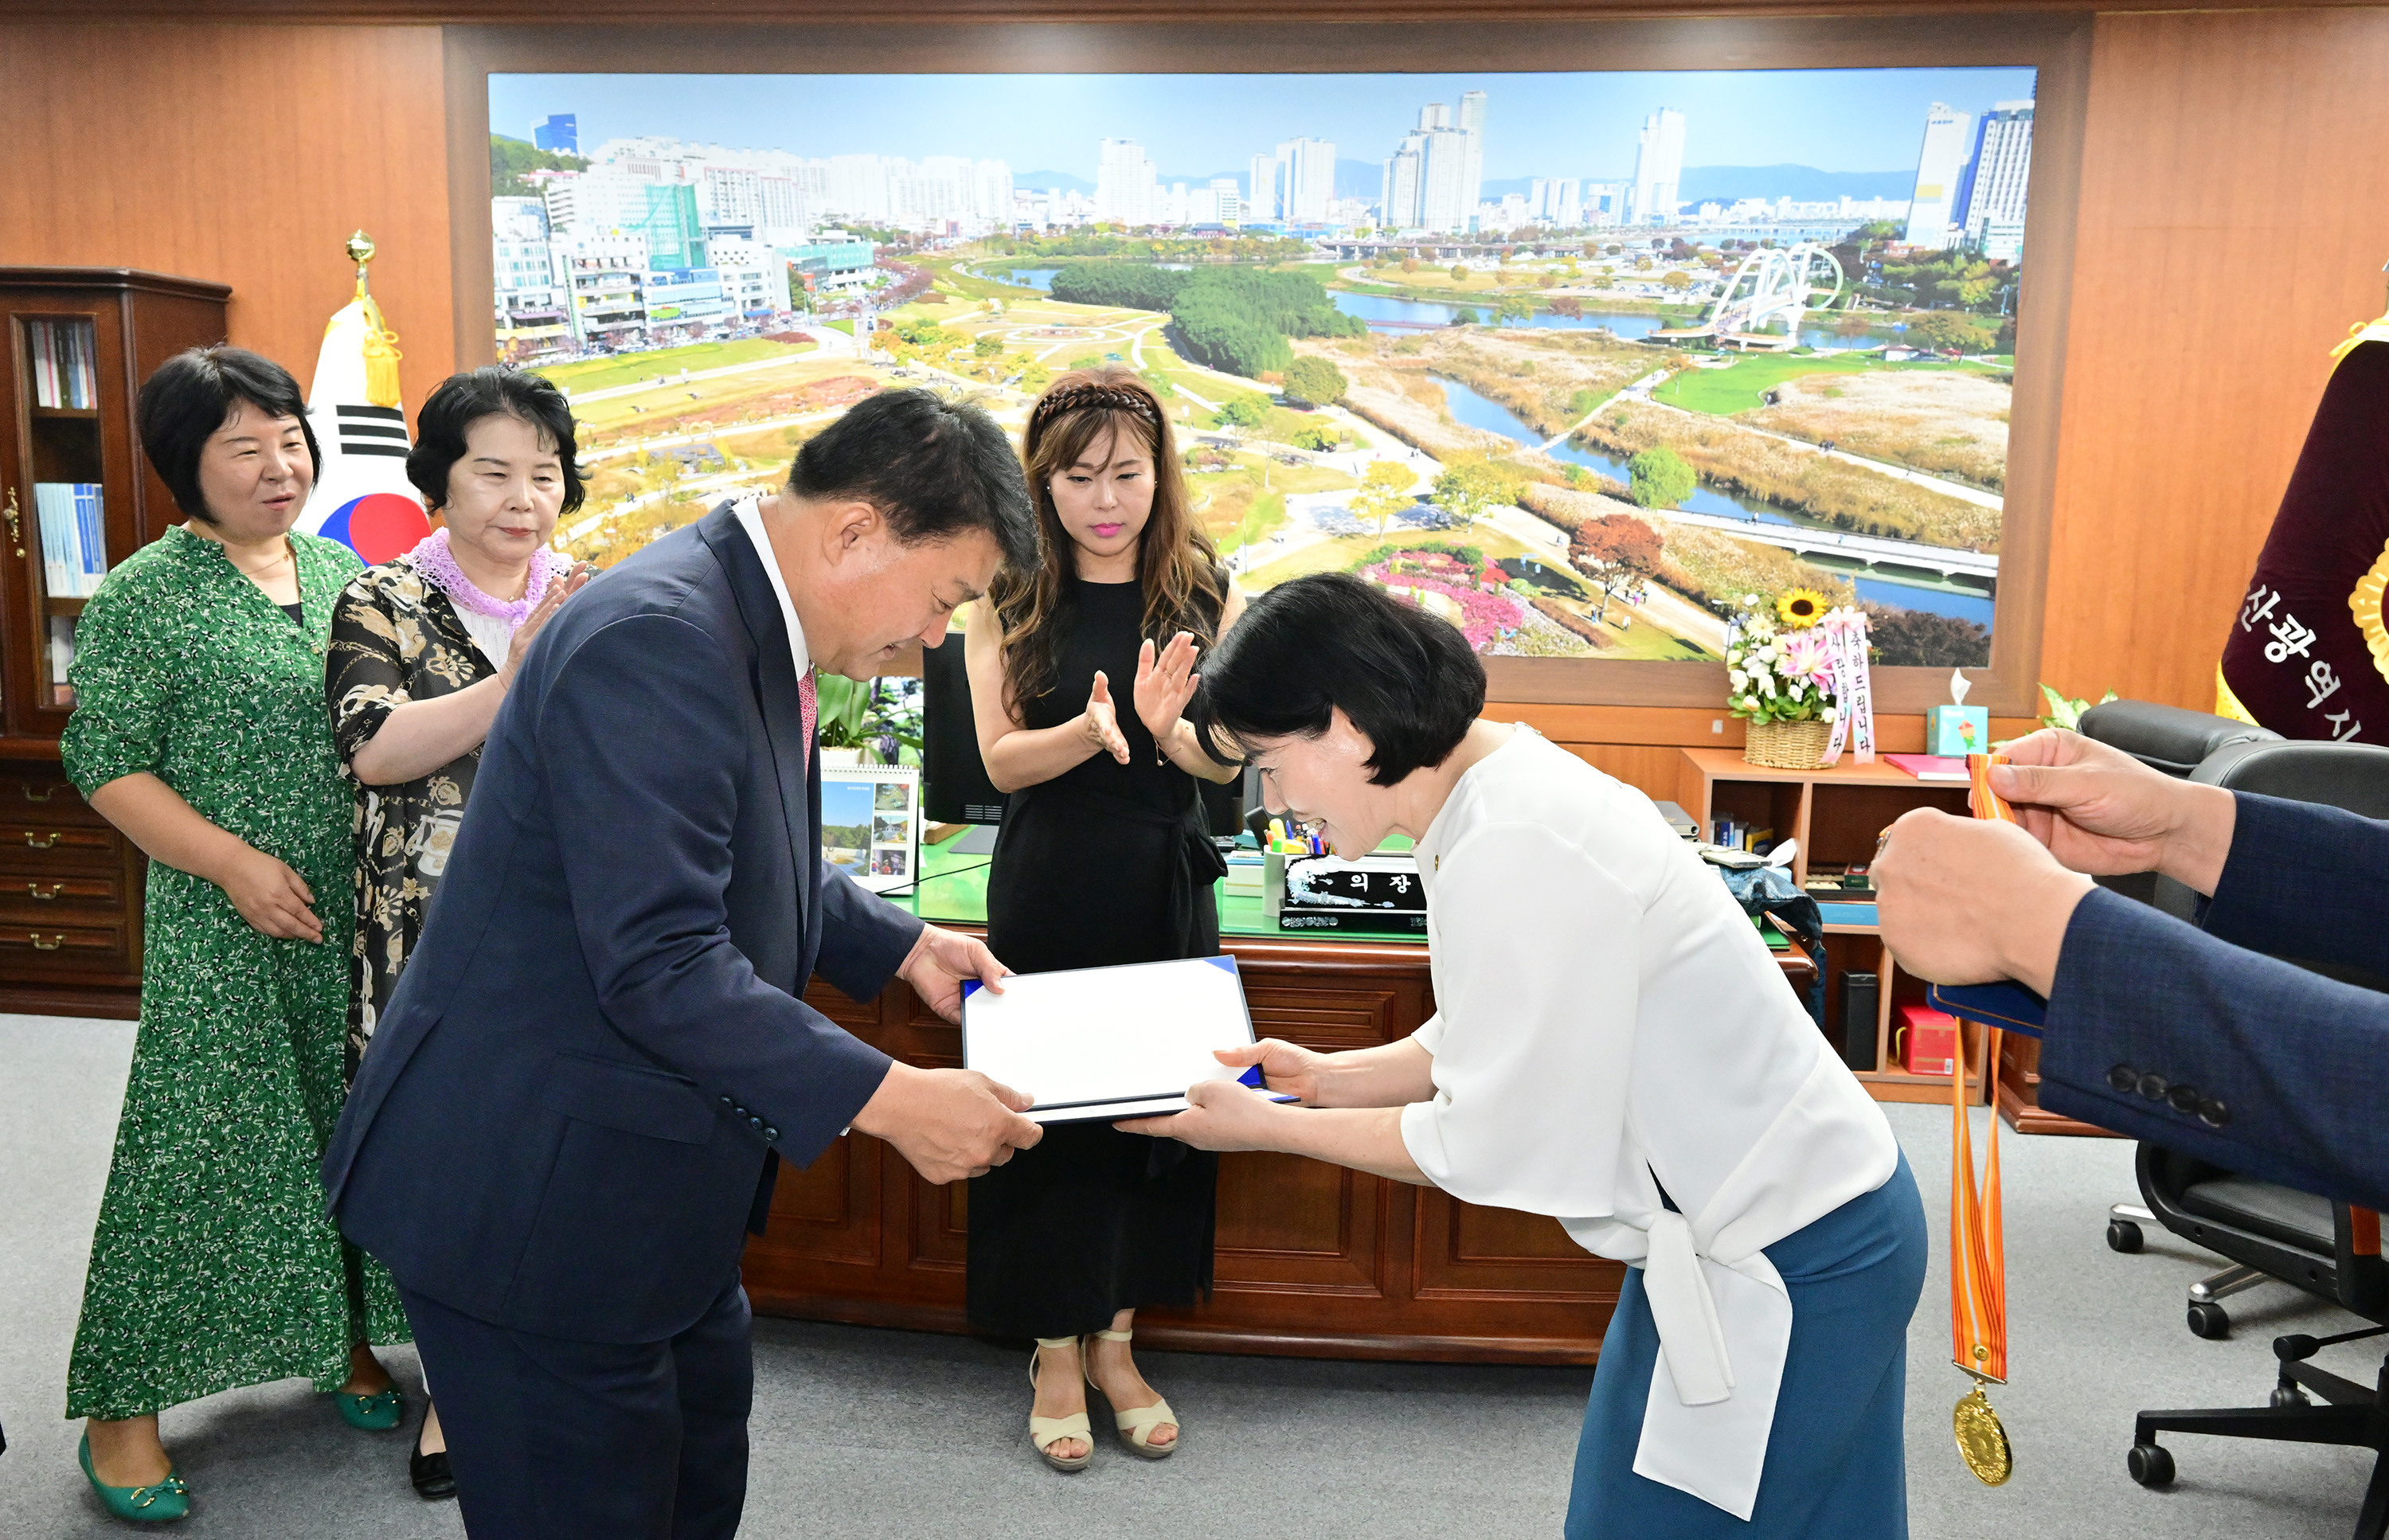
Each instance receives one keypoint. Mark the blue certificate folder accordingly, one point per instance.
(2007, 1006)
(1098, 1043)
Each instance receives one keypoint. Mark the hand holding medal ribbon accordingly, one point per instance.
(1978, 1285)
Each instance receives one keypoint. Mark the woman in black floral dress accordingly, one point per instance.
(423, 649)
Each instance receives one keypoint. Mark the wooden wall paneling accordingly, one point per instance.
(2219, 251)
(1466, 1253)
(160, 324)
(1013, 12)
(935, 1220)
(241, 154)
(1649, 769)
(827, 1234)
(997, 13)
(1290, 1225)
(2222, 250)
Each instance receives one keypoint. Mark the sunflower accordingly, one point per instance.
(1801, 607)
(2365, 603)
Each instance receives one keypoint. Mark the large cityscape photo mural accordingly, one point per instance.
(1574, 360)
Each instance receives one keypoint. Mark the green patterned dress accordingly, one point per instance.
(213, 1265)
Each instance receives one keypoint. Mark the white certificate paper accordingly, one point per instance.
(1108, 1042)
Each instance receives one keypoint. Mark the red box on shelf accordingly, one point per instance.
(1924, 1040)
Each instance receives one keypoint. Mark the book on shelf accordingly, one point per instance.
(62, 652)
(1929, 767)
(1731, 833)
(64, 361)
(75, 538)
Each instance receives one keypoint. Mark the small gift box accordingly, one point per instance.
(1925, 1040)
(1957, 730)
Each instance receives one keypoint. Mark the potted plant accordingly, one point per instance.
(868, 723)
(1780, 678)
(841, 707)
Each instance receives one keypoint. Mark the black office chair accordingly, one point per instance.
(2329, 1249)
(2175, 741)
(2268, 1232)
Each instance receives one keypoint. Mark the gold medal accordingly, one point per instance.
(1982, 1442)
(1978, 1283)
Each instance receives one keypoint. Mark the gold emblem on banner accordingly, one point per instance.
(1982, 1441)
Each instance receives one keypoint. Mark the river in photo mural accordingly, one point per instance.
(1379, 310)
(1804, 283)
(1475, 411)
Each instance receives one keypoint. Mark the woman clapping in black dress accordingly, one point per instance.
(1103, 859)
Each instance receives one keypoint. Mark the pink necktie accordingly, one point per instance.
(811, 699)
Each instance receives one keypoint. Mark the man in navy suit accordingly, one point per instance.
(2186, 1037)
(575, 1105)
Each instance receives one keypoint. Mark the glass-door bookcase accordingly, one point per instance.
(66, 527)
(76, 498)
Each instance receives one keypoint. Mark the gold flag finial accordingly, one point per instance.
(381, 343)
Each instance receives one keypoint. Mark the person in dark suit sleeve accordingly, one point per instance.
(598, 1053)
(2155, 1028)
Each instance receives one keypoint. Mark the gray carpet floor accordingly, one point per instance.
(891, 1433)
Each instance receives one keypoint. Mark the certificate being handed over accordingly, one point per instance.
(1093, 1043)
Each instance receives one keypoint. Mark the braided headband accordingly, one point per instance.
(1094, 398)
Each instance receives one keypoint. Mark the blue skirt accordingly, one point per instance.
(1835, 1461)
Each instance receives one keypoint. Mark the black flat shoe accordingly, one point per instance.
(433, 1481)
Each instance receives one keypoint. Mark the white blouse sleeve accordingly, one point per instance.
(1538, 955)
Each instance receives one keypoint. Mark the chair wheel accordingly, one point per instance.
(2123, 1236)
(2288, 1395)
(2209, 1321)
(2150, 1465)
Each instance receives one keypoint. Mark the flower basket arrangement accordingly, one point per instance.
(1781, 678)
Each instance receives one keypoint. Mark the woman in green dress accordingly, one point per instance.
(199, 732)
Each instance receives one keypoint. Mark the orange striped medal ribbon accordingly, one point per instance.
(1978, 1282)
(1983, 801)
(1978, 1279)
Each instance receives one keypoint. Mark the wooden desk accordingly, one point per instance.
(1313, 1259)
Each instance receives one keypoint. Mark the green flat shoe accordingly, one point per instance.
(163, 1503)
(372, 1414)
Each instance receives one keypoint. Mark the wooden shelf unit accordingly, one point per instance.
(1836, 815)
(70, 884)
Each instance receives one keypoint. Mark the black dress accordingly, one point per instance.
(1105, 863)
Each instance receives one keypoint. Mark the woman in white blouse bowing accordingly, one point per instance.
(1613, 1046)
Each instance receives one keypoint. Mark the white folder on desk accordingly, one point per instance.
(1093, 1043)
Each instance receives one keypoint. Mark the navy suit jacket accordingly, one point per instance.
(574, 1106)
(2176, 1035)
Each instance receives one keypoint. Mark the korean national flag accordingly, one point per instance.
(363, 498)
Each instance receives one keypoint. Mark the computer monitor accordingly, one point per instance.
(954, 787)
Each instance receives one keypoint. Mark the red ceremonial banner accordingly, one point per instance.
(2307, 655)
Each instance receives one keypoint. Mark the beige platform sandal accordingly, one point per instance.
(1046, 1431)
(1137, 1423)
